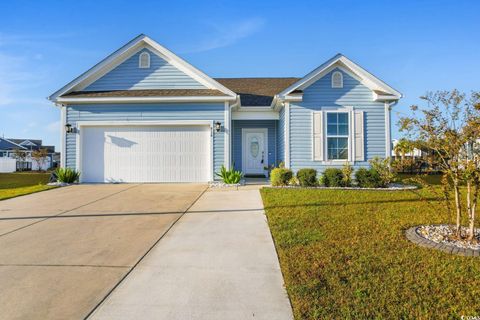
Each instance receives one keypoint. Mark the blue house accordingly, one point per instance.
(143, 114)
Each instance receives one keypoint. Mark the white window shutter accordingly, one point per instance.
(318, 136)
(359, 139)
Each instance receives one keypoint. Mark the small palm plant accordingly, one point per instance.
(67, 175)
(231, 176)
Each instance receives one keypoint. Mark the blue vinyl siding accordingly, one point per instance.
(281, 136)
(138, 112)
(160, 75)
(321, 94)
(238, 125)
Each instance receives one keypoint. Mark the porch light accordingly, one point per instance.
(218, 126)
(68, 128)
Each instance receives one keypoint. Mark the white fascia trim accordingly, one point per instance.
(63, 136)
(227, 135)
(287, 134)
(255, 115)
(379, 97)
(145, 99)
(128, 50)
(96, 68)
(146, 123)
(367, 78)
(294, 98)
(187, 67)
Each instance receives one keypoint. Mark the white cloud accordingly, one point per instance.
(226, 35)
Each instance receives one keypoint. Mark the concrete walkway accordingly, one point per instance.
(217, 262)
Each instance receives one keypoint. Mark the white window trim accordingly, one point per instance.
(144, 53)
(348, 136)
(326, 110)
(334, 86)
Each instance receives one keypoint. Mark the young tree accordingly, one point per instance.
(20, 155)
(40, 156)
(449, 126)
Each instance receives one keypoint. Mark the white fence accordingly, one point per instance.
(8, 164)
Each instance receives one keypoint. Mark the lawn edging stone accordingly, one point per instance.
(414, 236)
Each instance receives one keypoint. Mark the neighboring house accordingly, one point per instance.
(8, 147)
(415, 153)
(145, 115)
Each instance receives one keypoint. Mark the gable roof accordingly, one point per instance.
(27, 142)
(257, 91)
(6, 144)
(340, 61)
(128, 50)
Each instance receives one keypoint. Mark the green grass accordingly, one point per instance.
(21, 183)
(344, 256)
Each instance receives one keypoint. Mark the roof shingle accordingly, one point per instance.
(257, 91)
(145, 93)
(252, 91)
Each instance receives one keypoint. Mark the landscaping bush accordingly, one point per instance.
(332, 177)
(280, 176)
(347, 171)
(307, 177)
(382, 168)
(368, 178)
(67, 175)
(231, 176)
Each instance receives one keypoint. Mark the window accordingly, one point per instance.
(337, 80)
(337, 135)
(144, 60)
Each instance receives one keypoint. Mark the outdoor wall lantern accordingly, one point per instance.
(218, 126)
(69, 128)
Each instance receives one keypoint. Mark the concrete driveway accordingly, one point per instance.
(63, 250)
(218, 262)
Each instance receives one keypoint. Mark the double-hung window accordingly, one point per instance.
(337, 135)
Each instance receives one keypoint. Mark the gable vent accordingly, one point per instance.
(144, 60)
(337, 80)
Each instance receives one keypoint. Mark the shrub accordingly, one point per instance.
(231, 176)
(280, 176)
(293, 181)
(382, 167)
(67, 175)
(307, 177)
(332, 177)
(347, 171)
(368, 178)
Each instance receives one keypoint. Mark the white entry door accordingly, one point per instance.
(145, 153)
(254, 151)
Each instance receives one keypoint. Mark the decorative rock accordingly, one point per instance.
(442, 237)
(219, 184)
(58, 184)
(391, 187)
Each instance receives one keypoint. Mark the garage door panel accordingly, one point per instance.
(146, 154)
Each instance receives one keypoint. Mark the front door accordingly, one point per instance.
(254, 151)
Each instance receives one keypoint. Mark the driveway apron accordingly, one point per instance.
(63, 250)
(217, 262)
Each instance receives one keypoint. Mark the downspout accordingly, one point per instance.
(388, 128)
(229, 131)
(63, 137)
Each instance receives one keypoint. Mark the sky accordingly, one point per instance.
(414, 46)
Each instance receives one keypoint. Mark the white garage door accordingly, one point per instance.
(145, 154)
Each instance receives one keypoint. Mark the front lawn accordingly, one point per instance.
(344, 256)
(21, 183)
